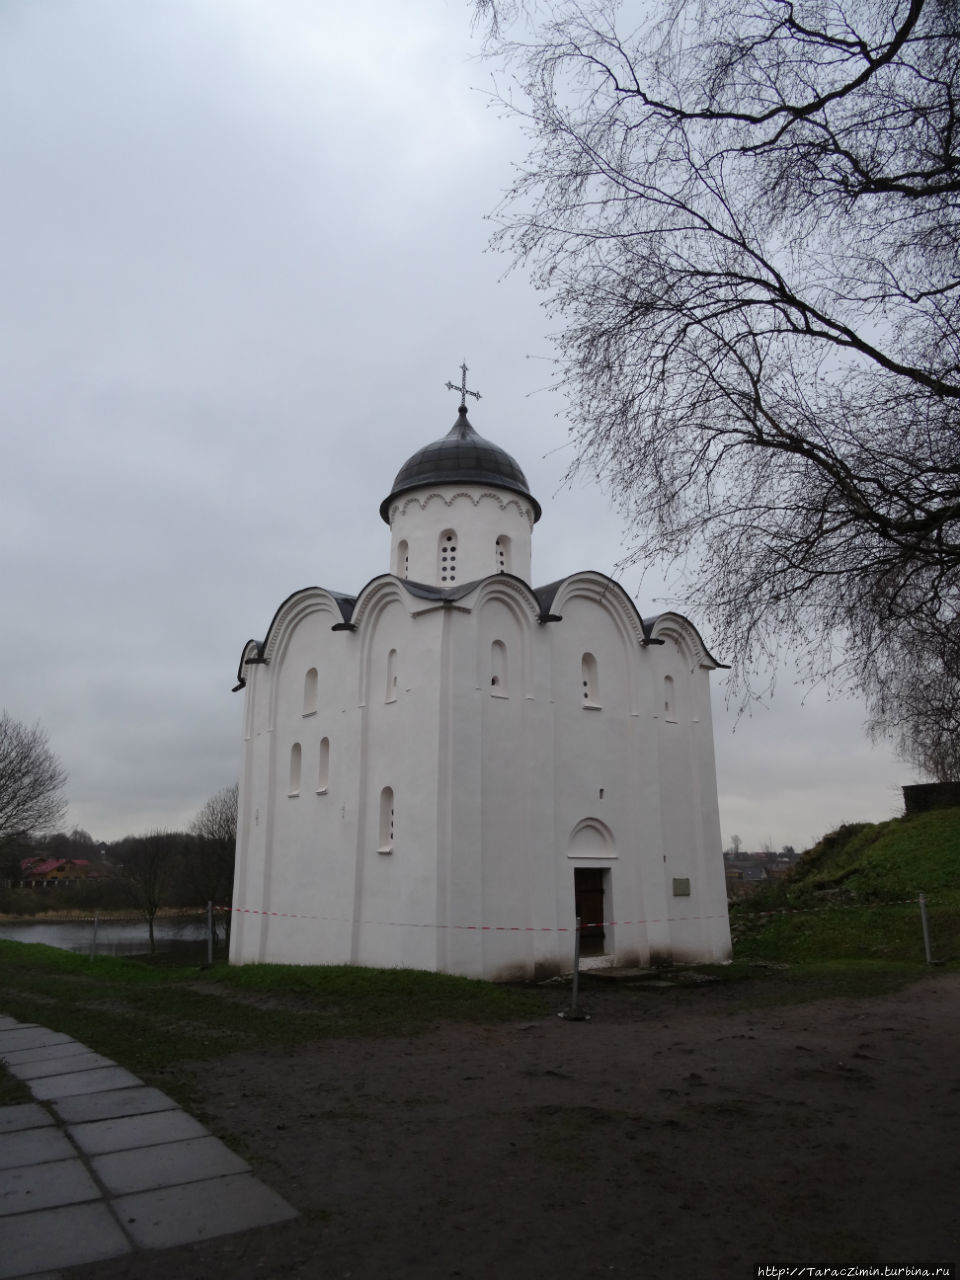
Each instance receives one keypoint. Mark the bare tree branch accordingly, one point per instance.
(31, 780)
(745, 219)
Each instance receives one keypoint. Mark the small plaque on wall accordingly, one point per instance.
(681, 888)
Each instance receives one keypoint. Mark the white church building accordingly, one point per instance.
(446, 770)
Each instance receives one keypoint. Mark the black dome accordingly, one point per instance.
(461, 457)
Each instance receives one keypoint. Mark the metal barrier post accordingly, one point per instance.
(209, 935)
(573, 1014)
(576, 969)
(93, 940)
(926, 931)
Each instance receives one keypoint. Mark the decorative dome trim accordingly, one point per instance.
(423, 500)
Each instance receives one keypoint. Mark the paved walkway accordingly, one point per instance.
(101, 1165)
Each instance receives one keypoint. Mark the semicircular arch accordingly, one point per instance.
(291, 613)
(591, 838)
(518, 621)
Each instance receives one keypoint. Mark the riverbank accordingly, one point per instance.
(69, 915)
(178, 939)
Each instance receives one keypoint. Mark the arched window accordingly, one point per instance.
(296, 758)
(323, 768)
(310, 692)
(447, 555)
(391, 694)
(503, 554)
(498, 669)
(669, 699)
(402, 567)
(386, 820)
(588, 678)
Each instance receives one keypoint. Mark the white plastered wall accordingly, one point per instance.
(478, 517)
(690, 813)
(490, 782)
(293, 889)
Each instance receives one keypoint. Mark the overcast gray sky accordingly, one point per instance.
(242, 248)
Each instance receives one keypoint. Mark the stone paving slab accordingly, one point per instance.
(201, 1210)
(23, 1115)
(41, 1186)
(8, 1024)
(112, 1104)
(34, 1146)
(58, 1066)
(29, 1038)
(195, 1160)
(64, 1237)
(135, 1131)
(69, 1085)
(124, 1169)
(65, 1050)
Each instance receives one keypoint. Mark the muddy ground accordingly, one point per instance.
(675, 1134)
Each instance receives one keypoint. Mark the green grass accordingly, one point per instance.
(151, 1019)
(890, 933)
(843, 900)
(875, 862)
(380, 995)
(832, 979)
(761, 983)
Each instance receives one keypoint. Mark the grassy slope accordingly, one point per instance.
(153, 1019)
(844, 898)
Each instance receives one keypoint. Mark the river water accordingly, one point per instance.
(114, 937)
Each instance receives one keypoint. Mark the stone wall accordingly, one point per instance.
(931, 795)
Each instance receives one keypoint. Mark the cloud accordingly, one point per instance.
(243, 247)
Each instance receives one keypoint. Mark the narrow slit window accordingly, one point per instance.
(323, 767)
(498, 668)
(590, 686)
(503, 554)
(669, 699)
(447, 554)
(296, 761)
(391, 694)
(386, 821)
(403, 559)
(310, 692)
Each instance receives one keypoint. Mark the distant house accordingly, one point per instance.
(754, 872)
(743, 875)
(48, 873)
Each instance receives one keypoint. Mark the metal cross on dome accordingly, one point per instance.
(451, 386)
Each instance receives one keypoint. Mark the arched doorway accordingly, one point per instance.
(592, 839)
(589, 884)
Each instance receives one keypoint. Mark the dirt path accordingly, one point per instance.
(663, 1138)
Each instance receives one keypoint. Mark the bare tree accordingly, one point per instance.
(213, 857)
(745, 218)
(31, 780)
(151, 869)
(217, 819)
(918, 704)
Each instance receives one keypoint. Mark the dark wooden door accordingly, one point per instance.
(588, 892)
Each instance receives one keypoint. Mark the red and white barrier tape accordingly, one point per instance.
(831, 906)
(480, 928)
(530, 928)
